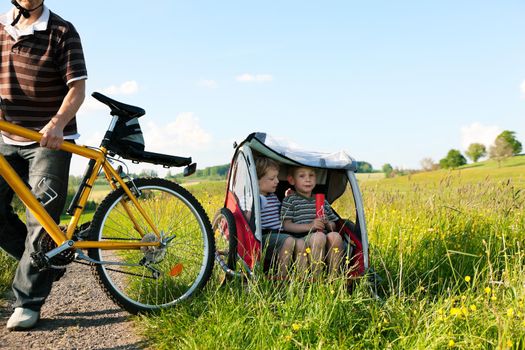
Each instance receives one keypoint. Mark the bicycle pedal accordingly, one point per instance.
(40, 261)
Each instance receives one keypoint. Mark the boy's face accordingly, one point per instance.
(268, 183)
(304, 181)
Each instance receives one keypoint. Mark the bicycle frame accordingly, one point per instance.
(64, 240)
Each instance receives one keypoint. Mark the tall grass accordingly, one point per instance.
(7, 270)
(448, 249)
(452, 265)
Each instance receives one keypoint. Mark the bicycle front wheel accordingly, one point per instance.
(152, 278)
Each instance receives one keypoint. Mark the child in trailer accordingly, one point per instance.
(280, 248)
(299, 215)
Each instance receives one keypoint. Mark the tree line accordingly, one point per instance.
(505, 145)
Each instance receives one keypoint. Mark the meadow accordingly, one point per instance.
(446, 245)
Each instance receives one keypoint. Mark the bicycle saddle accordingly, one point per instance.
(119, 108)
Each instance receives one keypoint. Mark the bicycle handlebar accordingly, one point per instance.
(36, 136)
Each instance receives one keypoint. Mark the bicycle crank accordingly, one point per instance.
(45, 245)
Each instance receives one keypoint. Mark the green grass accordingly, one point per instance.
(512, 169)
(448, 246)
(7, 270)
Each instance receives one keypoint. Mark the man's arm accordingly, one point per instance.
(53, 132)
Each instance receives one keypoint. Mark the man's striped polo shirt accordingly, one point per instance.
(35, 71)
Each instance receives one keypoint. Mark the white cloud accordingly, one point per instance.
(126, 88)
(254, 78)
(479, 133)
(93, 139)
(90, 105)
(207, 83)
(183, 137)
(179, 137)
(522, 89)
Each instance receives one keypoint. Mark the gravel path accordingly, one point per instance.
(77, 315)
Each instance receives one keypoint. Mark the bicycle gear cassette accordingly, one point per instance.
(152, 254)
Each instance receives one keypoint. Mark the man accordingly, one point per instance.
(42, 85)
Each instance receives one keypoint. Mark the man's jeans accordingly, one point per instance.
(42, 168)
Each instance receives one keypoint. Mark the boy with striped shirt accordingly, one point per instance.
(298, 212)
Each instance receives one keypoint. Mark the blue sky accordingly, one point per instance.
(387, 81)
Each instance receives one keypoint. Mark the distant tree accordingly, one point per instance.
(453, 159)
(364, 167)
(148, 173)
(169, 175)
(475, 151)
(510, 138)
(427, 164)
(388, 170)
(501, 150)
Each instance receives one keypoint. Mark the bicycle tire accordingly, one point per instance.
(225, 233)
(184, 265)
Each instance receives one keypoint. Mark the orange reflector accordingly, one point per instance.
(176, 270)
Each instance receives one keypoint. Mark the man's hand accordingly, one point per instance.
(52, 135)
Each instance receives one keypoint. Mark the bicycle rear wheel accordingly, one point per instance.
(152, 278)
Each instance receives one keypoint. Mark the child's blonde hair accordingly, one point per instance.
(262, 164)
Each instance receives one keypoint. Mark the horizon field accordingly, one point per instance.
(447, 244)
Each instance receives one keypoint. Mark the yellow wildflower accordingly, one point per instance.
(509, 343)
(455, 311)
(473, 307)
(296, 327)
(493, 298)
(336, 250)
(464, 311)
(510, 312)
(467, 279)
(451, 343)
(488, 290)
(308, 250)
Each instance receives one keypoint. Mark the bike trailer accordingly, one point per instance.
(237, 225)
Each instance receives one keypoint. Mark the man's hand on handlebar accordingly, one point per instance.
(52, 135)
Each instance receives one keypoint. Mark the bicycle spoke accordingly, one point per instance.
(172, 272)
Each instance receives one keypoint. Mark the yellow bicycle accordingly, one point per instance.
(150, 241)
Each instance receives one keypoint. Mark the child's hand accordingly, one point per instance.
(330, 225)
(318, 224)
